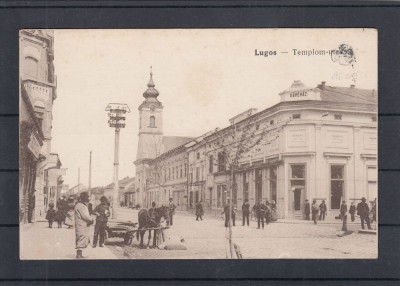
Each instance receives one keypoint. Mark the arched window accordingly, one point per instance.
(31, 66)
(152, 121)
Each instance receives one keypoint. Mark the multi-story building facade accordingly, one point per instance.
(37, 94)
(316, 143)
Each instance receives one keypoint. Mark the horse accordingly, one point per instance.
(151, 219)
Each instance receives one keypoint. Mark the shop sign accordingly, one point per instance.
(34, 146)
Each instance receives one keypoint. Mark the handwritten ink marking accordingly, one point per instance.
(344, 55)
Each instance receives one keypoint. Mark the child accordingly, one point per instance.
(51, 214)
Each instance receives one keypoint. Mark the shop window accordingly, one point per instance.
(245, 186)
(272, 182)
(296, 116)
(337, 116)
(258, 181)
(221, 195)
(372, 186)
(337, 185)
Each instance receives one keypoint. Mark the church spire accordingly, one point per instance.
(151, 91)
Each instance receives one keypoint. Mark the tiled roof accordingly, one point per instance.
(171, 142)
(349, 94)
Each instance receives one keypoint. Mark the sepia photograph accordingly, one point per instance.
(198, 144)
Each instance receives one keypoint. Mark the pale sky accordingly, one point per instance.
(204, 77)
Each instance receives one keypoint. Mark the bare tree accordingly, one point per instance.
(240, 140)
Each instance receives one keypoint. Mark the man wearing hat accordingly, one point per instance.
(363, 212)
(171, 208)
(82, 222)
(102, 212)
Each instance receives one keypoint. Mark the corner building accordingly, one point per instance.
(327, 150)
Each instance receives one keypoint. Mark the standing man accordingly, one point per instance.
(363, 212)
(322, 209)
(82, 222)
(260, 209)
(171, 208)
(343, 209)
(307, 210)
(352, 211)
(102, 212)
(314, 210)
(199, 211)
(246, 212)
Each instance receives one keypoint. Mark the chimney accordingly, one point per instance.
(352, 86)
(322, 85)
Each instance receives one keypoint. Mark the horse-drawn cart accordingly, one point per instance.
(121, 229)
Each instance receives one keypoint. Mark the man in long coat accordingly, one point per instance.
(363, 212)
(82, 222)
(199, 211)
(260, 210)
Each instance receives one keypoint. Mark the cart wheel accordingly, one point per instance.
(128, 239)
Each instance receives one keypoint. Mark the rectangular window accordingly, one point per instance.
(185, 170)
(337, 185)
(338, 116)
(197, 174)
(173, 173)
(181, 172)
(373, 118)
(210, 164)
(258, 181)
(271, 122)
(210, 190)
(221, 161)
(296, 116)
(298, 176)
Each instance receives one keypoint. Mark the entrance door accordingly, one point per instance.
(298, 201)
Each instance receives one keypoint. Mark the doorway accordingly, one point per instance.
(298, 198)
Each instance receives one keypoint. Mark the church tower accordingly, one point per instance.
(150, 139)
(150, 124)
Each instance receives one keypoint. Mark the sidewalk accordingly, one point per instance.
(37, 242)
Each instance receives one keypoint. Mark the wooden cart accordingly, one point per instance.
(122, 229)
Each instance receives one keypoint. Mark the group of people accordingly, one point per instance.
(64, 213)
(362, 210)
(263, 211)
(80, 214)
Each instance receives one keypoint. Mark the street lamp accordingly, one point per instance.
(117, 120)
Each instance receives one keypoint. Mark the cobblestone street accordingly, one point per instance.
(206, 240)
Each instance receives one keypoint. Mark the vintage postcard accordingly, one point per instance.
(198, 144)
